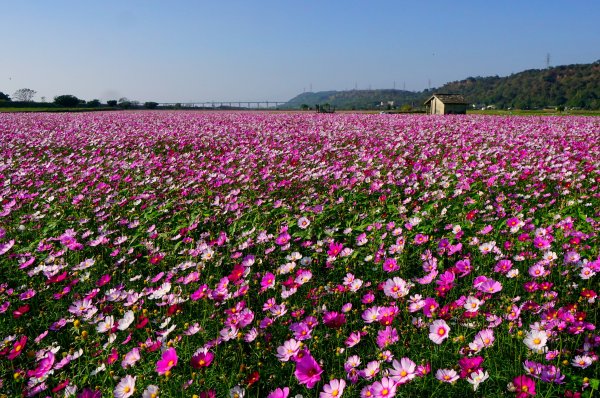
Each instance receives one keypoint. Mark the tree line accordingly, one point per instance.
(24, 98)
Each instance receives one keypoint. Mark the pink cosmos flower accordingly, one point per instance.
(512, 222)
(582, 361)
(390, 265)
(469, 365)
(403, 371)
(446, 375)
(483, 339)
(267, 282)
(334, 249)
(486, 285)
(438, 331)
(464, 267)
(26, 295)
(308, 371)
(396, 288)
(131, 358)
(503, 266)
(420, 239)
(303, 222)
(150, 392)
(167, 361)
(301, 331)
(370, 370)
(333, 319)
(104, 279)
(88, 393)
(288, 350)
(279, 393)
(334, 389)
(386, 337)
(112, 357)
(429, 307)
(4, 247)
(384, 388)
(537, 271)
(44, 366)
(353, 339)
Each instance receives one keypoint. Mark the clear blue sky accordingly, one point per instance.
(180, 51)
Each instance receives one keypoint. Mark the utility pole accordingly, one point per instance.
(547, 60)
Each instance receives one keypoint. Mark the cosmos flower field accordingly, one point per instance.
(238, 255)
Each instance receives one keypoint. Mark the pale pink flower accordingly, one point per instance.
(334, 389)
(126, 387)
(438, 331)
(403, 371)
(446, 375)
(384, 388)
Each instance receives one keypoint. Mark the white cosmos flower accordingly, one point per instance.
(536, 340)
(126, 321)
(106, 324)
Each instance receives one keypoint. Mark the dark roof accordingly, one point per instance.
(449, 98)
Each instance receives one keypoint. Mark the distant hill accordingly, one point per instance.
(572, 86)
(356, 99)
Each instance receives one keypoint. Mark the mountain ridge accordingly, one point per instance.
(573, 86)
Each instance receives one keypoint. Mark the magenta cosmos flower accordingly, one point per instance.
(308, 371)
(202, 359)
(168, 360)
(524, 386)
(17, 348)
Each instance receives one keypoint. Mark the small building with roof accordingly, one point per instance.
(446, 104)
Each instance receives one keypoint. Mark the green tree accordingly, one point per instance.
(4, 97)
(124, 103)
(24, 95)
(94, 103)
(66, 100)
(112, 103)
(150, 105)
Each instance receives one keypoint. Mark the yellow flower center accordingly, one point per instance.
(126, 389)
(171, 363)
(18, 348)
(537, 341)
(403, 373)
(441, 331)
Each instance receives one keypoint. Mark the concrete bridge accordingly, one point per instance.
(226, 104)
